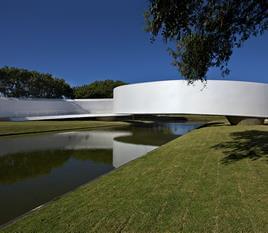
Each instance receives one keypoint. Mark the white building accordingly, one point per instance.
(234, 99)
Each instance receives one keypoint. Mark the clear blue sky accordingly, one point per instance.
(86, 40)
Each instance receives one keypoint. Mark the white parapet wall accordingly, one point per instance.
(227, 98)
(95, 105)
(13, 107)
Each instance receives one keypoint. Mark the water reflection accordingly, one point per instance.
(60, 141)
(35, 169)
(20, 166)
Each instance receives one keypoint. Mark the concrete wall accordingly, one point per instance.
(231, 98)
(95, 105)
(13, 107)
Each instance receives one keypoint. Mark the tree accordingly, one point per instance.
(97, 89)
(204, 33)
(15, 82)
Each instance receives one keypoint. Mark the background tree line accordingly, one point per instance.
(97, 89)
(22, 83)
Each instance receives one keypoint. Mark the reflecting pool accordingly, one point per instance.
(34, 169)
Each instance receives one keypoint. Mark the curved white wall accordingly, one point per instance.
(231, 98)
(95, 105)
(13, 107)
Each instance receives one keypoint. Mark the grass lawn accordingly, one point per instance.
(213, 179)
(13, 128)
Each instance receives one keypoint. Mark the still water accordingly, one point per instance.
(34, 169)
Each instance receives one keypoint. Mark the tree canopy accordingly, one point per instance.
(15, 82)
(97, 89)
(203, 33)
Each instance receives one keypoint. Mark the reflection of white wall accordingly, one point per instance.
(125, 152)
(12, 107)
(232, 98)
(122, 152)
(178, 128)
(61, 141)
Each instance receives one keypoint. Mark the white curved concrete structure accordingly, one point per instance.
(228, 98)
(16, 109)
(13, 107)
(234, 99)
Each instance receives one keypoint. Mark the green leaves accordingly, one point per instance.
(97, 89)
(205, 31)
(15, 82)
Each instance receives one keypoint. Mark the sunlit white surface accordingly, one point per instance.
(228, 98)
(53, 108)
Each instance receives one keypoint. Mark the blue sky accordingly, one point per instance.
(86, 40)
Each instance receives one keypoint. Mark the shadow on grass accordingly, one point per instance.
(251, 144)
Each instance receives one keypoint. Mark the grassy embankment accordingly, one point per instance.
(14, 128)
(213, 179)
